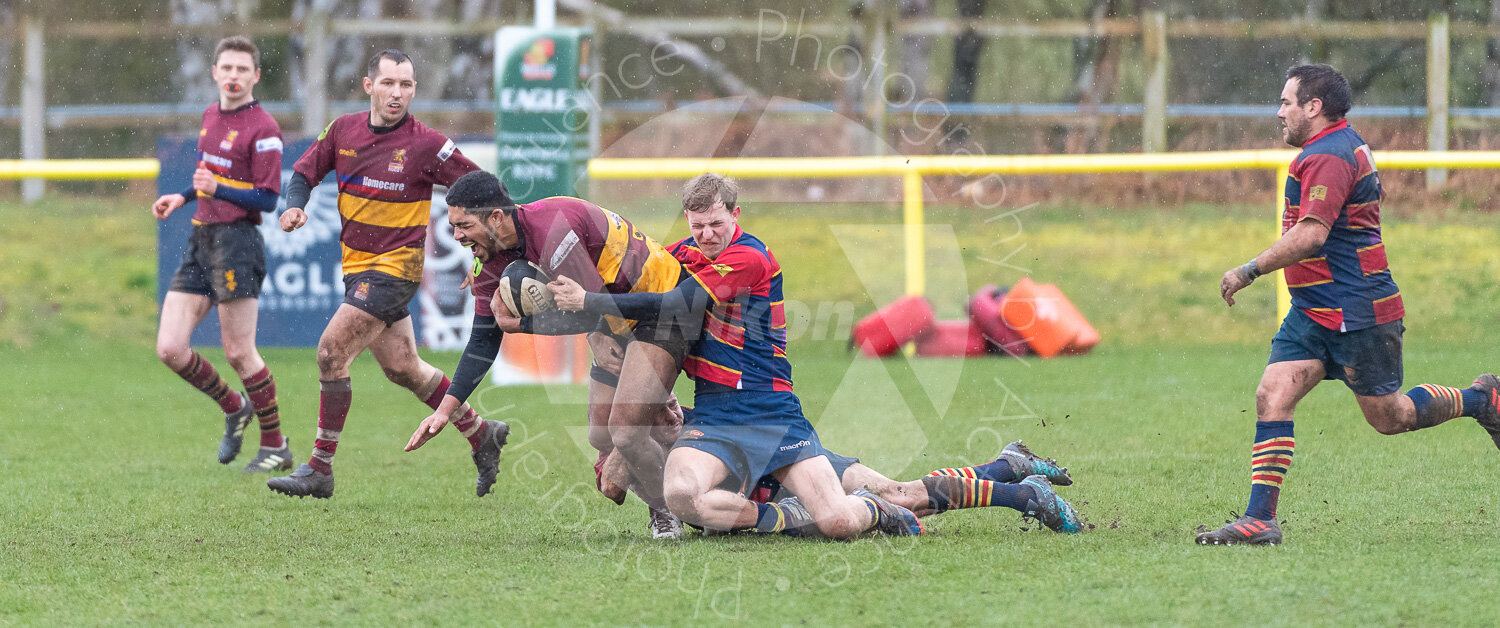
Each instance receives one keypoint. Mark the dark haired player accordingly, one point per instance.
(238, 177)
(570, 236)
(387, 164)
(1346, 316)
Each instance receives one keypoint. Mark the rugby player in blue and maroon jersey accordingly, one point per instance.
(630, 396)
(238, 177)
(1346, 316)
(387, 164)
(747, 423)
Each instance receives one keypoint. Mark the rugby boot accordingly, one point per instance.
(487, 456)
(664, 524)
(890, 518)
(1053, 511)
(234, 430)
(1244, 531)
(303, 482)
(1489, 416)
(270, 459)
(1025, 463)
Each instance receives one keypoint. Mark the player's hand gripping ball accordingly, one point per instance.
(523, 288)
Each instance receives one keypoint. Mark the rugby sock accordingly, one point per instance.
(770, 518)
(1270, 458)
(1436, 404)
(996, 471)
(262, 390)
(469, 424)
(202, 376)
(946, 493)
(436, 397)
(333, 408)
(471, 427)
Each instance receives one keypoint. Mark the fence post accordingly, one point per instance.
(33, 103)
(877, 48)
(1154, 119)
(1437, 94)
(315, 68)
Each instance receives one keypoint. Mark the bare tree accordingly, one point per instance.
(471, 70)
(194, 48)
(1095, 77)
(1492, 58)
(8, 33)
(916, 50)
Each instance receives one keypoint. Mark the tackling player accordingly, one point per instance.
(747, 422)
(573, 237)
(1346, 316)
(238, 177)
(387, 163)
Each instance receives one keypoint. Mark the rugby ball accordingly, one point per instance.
(523, 288)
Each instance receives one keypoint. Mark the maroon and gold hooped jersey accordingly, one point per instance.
(596, 247)
(385, 184)
(242, 148)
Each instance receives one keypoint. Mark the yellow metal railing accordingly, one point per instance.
(79, 169)
(912, 168)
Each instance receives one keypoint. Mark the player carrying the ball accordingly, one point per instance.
(238, 177)
(747, 423)
(387, 163)
(630, 394)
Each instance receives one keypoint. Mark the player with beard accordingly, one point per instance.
(238, 177)
(387, 164)
(630, 401)
(1346, 319)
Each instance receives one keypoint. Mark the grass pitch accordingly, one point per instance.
(115, 510)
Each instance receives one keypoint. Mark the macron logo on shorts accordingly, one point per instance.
(796, 445)
(268, 144)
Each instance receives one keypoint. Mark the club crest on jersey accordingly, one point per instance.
(692, 434)
(398, 160)
(723, 269)
(1318, 192)
(228, 142)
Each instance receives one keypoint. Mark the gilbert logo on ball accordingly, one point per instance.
(523, 289)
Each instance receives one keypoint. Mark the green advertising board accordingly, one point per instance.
(542, 110)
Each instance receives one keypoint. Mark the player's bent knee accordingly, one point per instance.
(600, 439)
(172, 355)
(682, 500)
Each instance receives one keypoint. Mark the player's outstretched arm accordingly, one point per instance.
(687, 301)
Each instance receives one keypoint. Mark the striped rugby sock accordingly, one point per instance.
(333, 408)
(1270, 458)
(1435, 404)
(202, 376)
(946, 493)
(261, 388)
(471, 427)
(994, 471)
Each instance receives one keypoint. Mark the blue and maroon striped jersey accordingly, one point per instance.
(1347, 285)
(242, 148)
(385, 188)
(744, 333)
